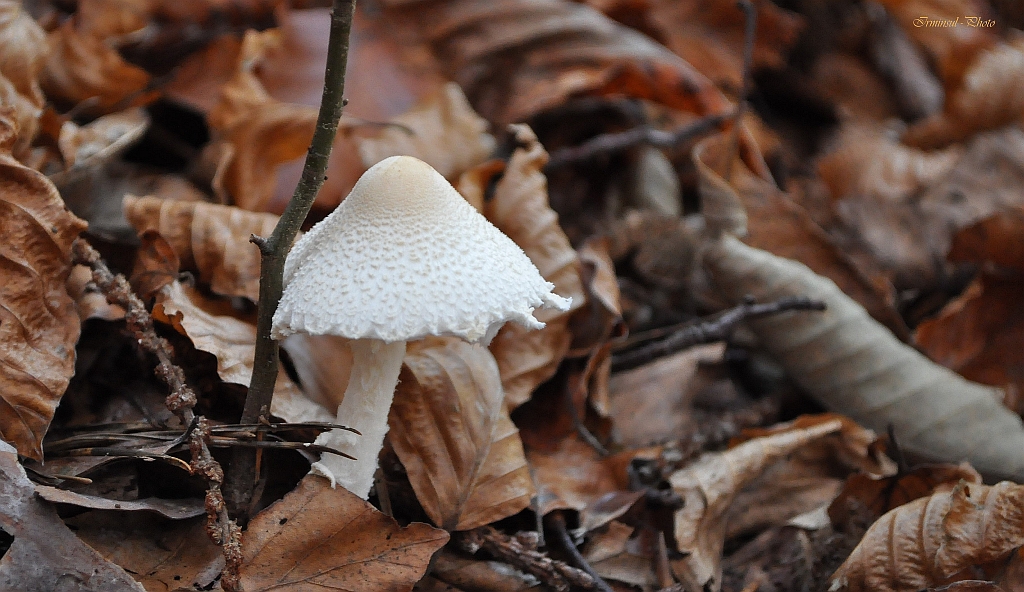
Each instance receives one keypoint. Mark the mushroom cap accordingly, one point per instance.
(405, 256)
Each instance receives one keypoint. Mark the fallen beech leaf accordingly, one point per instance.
(45, 554)
(998, 239)
(457, 573)
(319, 537)
(979, 335)
(708, 487)
(520, 209)
(83, 71)
(775, 223)
(173, 509)
(616, 554)
(162, 554)
(880, 495)
(987, 100)
(952, 48)
(211, 238)
(571, 475)
(213, 329)
(654, 403)
(516, 59)
(709, 35)
(156, 265)
(809, 478)
(451, 430)
(99, 141)
(38, 323)
(854, 366)
(442, 131)
(936, 540)
(256, 132)
(22, 53)
(322, 364)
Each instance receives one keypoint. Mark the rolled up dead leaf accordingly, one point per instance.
(851, 364)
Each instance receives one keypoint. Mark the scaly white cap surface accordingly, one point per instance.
(405, 256)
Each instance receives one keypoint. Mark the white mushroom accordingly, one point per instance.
(404, 256)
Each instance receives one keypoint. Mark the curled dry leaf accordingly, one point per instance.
(166, 555)
(323, 537)
(879, 495)
(516, 59)
(212, 239)
(452, 432)
(256, 132)
(989, 98)
(998, 239)
(156, 265)
(442, 131)
(22, 52)
(979, 335)
(852, 365)
(936, 540)
(38, 323)
(89, 301)
(616, 554)
(45, 554)
(952, 48)
(83, 71)
(808, 479)
(459, 573)
(750, 204)
(213, 328)
(520, 209)
(168, 508)
(99, 141)
(708, 487)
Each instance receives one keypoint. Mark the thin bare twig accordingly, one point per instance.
(511, 550)
(709, 331)
(640, 135)
(274, 250)
(557, 523)
(180, 401)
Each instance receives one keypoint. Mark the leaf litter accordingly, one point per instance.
(880, 177)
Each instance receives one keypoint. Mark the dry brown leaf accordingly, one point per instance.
(571, 474)
(879, 495)
(653, 403)
(936, 540)
(905, 204)
(211, 238)
(83, 71)
(442, 131)
(92, 144)
(709, 35)
(455, 573)
(854, 366)
(998, 239)
(952, 48)
(22, 53)
(38, 323)
(214, 327)
(809, 478)
(255, 132)
(854, 87)
(322, 364)
(156, 265)
(45, 554)
(520, 209)
(601, 317)
(774, 222)
(164, 555)
(989, 98)
(516, 59)
(708, 487)
(318, 537)
(620, 553)
(451, 430)
(980, 334)
(175, 509)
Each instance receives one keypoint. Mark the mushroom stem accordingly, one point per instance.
(375, 368)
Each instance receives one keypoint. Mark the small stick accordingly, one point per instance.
(637, 136)
(511, 550)
(750, 12)
(709, 331)
(557, 523)
(221, 529)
